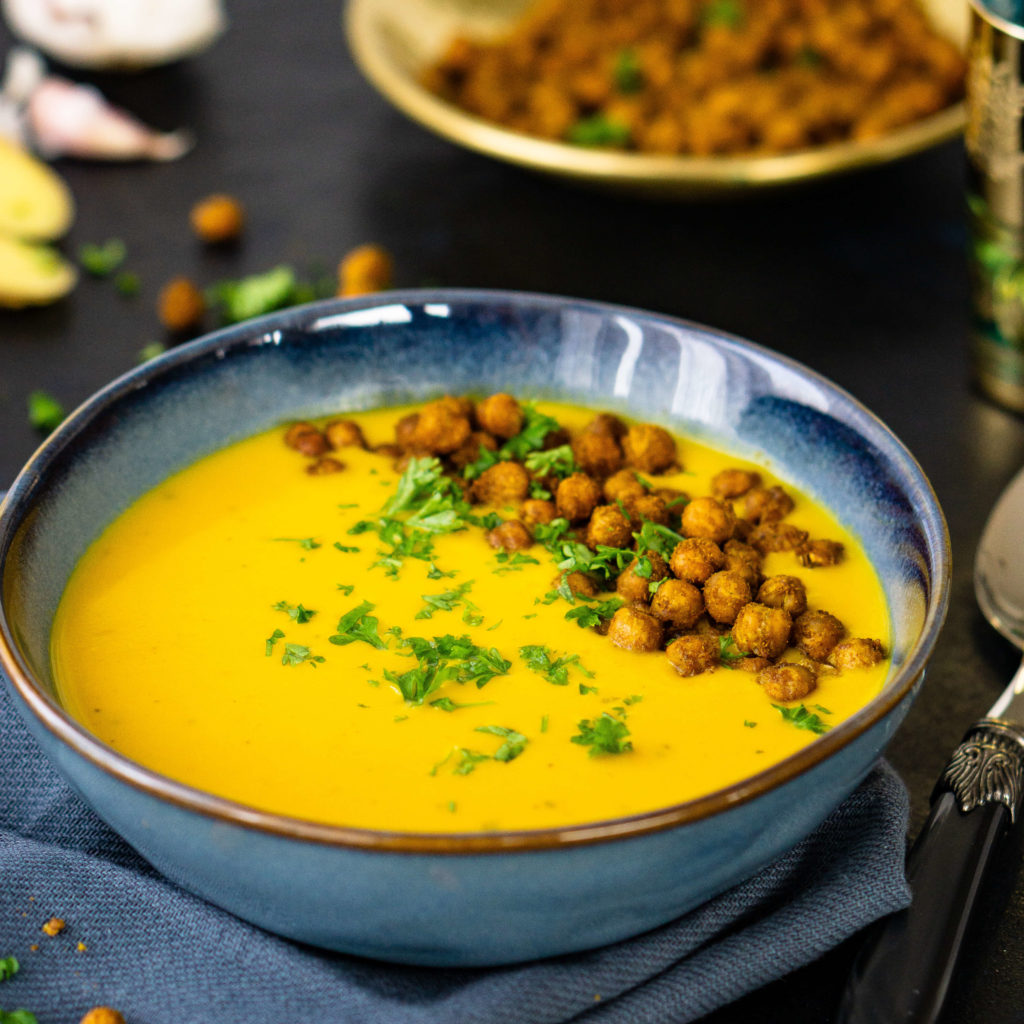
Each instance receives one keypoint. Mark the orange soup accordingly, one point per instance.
(345, 628)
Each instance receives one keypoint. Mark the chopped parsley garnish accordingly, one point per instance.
(722, 12)
(468, 760)
(594, 614)
(102, 259)
(803, 719)
(17, 1017)
(296, 612)
(627, 71)
(127, 283)
(555, 670)
(45, 413)
(433, 573)
(8, 967)
(728, 652)
(358, 624)
(250, 296)
(272, 639)
(445, 601)
(297, 654)
(443, 659)
(346, 588)
(514, 745)
(558, 462)
(598, 130)
(605, 734)
(749, 724)
(151, 350)
(306, 543)
(512, 562)
(658, 538)
(345, 549)
(536, 427)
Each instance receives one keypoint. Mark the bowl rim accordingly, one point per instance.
(668, 174)
(263, 330)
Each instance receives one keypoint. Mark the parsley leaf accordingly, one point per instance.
(358, 624)
(296, 612)
(253, 295)
(541, 660)
(443, 602)
(598, 130)
(514, 745)
(803, 719)
(45, 413)
(306, 543)
(558, 462)
(604, 735)
(297, 654)
(595, 614)
(627, 71)
(272, 639)
(102, 259)
(728, 651)
(9, 967)
(17, 1017)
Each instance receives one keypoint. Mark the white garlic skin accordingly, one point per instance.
(116, 34)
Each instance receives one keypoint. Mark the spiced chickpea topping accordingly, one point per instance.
(815, 553)
(598, 455)
(857, 652)
(306, 438)
(696, 559)
(102, 1015)
(505, 483)
(692, 655)
(786, 681)
(649, 448)
(500, 415)
(816, 632)
(633, 629)
(217, 218)
(577, 497)
(708, 517)
(512, 535)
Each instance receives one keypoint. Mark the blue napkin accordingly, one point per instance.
(138, 943)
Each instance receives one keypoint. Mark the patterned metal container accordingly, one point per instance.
(995, 152)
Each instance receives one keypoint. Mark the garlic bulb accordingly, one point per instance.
(114, 34)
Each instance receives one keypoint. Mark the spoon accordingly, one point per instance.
(903, 973)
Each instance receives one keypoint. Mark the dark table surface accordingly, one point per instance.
(861, 277)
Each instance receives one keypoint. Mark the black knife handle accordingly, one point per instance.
(902, 974)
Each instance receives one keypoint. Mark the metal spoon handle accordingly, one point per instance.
(902, 974)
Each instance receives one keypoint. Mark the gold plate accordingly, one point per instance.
(393, 40)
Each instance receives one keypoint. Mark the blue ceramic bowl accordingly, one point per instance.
(435, 899)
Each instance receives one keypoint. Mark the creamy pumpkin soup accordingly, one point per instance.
(468, 616)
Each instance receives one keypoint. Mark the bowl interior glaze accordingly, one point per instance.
(404, 346)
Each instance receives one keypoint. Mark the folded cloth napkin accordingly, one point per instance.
(136, 942)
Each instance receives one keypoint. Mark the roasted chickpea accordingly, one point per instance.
(731, 483)
(536, 511)
(816, 553)
(692, 655)
(786, 681)
(306, 438)
(649, 448)
(762, 631)
(634, 629)
(511, 535)
(470, 449)
(500, 415)
(344, 434)
(607, 425)
(708, 517)
(696, 558)
(622, 486)
(784, 592)
(405, 432)
(325, 466)
(725, 593)
(440, 429)
(598, 455)
(816, 632)
(678, 603)
(505, 483)
(365, 269)
(579, 584)
(102, 1015)
(180, 305)
(857, 652)
(217, 218)
(766, 504)
(776, 536)
(742, 558)
(577, 496)
(648, 507)
(607, 525)
(633, 585)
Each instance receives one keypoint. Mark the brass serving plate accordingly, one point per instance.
(392, 40)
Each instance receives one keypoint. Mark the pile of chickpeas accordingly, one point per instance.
(705, 77)
(709, 602)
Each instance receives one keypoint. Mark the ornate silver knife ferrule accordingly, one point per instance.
(987, 767)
